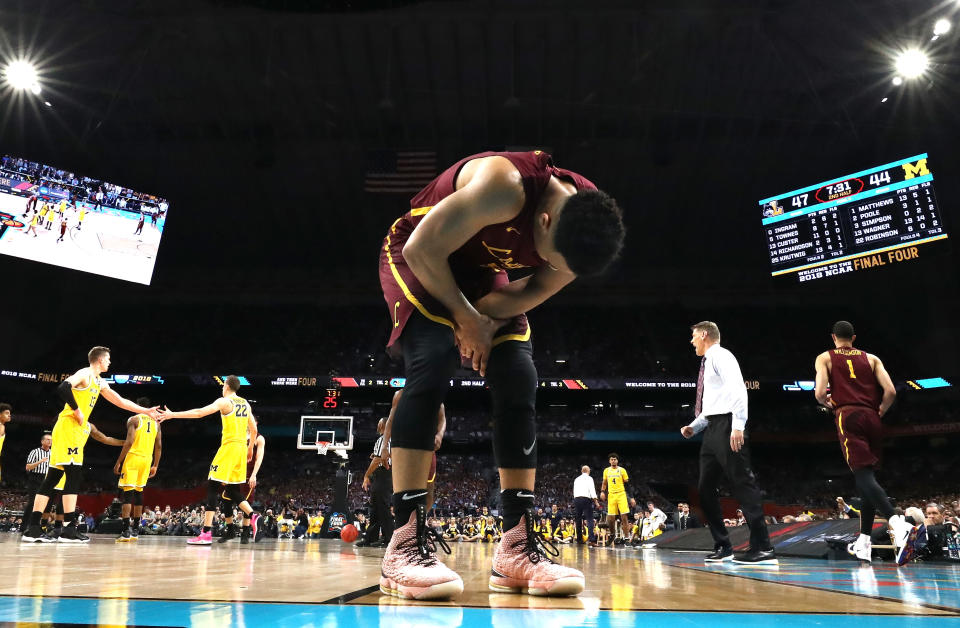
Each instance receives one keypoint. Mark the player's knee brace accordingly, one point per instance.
(247, 515)
(214, 489)
(51, 479)
(128, 497)
(431, 357)
(226, 505)
(512, 378)
(71, 486)
(137, 498)
(233, 493)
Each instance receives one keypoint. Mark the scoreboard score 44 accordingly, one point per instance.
(871, 218)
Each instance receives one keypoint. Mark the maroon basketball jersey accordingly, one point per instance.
(852, 382)
(504, 246)
(481, 264)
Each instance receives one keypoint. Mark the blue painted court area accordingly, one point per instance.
(119, 612)
(933, 584)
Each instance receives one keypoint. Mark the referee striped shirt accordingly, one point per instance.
(36, 455)
(378, 447)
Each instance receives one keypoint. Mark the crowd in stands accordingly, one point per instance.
(309, 338)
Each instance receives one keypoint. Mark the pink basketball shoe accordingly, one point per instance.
(522, 564)
(204, 538)
(410, 567)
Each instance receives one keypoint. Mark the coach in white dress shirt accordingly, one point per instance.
(721, 410)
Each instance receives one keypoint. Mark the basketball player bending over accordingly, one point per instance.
(443, 270)
(228, 471)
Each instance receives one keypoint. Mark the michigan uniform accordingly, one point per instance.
(70, 437)
(3, 437)
(616, 490)
(136, 465)
(230, 464)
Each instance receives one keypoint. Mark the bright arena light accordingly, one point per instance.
(22, 75)
(897, 80)
(941, 27)
(911, 63)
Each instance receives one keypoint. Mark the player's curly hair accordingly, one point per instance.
(589, 232)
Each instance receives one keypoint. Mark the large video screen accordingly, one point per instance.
(874, 218)
(52, 215)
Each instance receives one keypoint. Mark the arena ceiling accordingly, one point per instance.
(255, 111)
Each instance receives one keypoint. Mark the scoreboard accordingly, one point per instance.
(872, 218)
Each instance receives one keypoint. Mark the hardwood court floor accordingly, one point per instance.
(292, 572)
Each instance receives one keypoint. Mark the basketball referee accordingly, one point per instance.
(721, 409)
(38, 461)
(378, 481)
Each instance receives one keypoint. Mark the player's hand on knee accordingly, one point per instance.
(475, 338)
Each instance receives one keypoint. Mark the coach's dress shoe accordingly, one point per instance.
(719, 555)
(756, 557)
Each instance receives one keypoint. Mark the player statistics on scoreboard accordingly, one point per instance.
(872, 218)
(52, 215)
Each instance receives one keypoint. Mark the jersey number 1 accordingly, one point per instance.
(852, 374)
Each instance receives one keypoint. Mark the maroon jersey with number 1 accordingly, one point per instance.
(852, 382)
(479, 266)
(857, 394)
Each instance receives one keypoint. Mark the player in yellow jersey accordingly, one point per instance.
(83, 214)
(226, 504)
(137, 461)
(228, 471)
(79, 392)
(5, 413)
(615, 479)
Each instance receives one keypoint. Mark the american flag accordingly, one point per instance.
(399, 171)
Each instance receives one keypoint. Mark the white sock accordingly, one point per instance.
(864, 538)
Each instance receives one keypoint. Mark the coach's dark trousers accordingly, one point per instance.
(381, 494)
(584, 510)
(717, 460)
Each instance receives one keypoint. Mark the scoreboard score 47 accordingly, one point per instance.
(867, 219)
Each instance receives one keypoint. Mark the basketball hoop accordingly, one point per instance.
(322, 447)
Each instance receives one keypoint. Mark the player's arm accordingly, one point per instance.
(221, 405)
(157, 450)
(883, 378)
(132, 424)
(96, 434)
(388, 428)
(823, 380)
(80, 379)
(493, 194)
(603, 485)
(114, 397)
(254, 433)
(441, 428)
(261, 448)
(522, 295)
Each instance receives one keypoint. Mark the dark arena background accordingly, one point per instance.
(216, 179)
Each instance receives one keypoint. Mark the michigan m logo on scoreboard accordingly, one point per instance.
(915, 170)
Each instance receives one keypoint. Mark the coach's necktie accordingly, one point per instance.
(698, 406)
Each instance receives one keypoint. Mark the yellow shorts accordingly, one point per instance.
(617, 504)
(230, 464)
(67, 445)
(135, 471)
